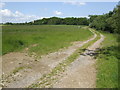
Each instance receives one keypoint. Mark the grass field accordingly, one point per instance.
(107, 64)
(41, 39)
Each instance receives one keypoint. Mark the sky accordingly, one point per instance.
(18, 12)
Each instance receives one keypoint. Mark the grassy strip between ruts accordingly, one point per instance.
(47, 80)
(107, 63)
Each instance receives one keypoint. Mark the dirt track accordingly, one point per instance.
(81, 73)
(33, 69)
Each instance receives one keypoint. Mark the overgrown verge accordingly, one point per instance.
(107, 63)
(47, 80)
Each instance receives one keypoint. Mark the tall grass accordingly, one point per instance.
(107, 63)
(48, 38)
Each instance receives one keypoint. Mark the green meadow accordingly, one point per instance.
(41, 39)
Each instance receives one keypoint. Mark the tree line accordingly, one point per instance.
(61, 21)
(55, 21)
(109, 22)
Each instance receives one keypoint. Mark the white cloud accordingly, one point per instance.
(78, 16)
(83, 16)
(6, 13)
(9, 16)
(2, 4)
(45, 9)
(58, 13)
(76, 3)
(82, 3)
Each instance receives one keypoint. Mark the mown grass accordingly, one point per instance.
(48, 79)
(107, 63)
(48, 38)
